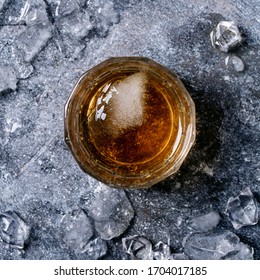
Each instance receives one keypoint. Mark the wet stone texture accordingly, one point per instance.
(208, 210)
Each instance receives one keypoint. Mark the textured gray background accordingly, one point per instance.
(41, 58)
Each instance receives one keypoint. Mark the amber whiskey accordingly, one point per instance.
(131, 121)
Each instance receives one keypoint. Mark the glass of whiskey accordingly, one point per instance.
(129, 122)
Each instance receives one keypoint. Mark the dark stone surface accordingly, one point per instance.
(39, 178)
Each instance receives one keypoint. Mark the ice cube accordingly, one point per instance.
(128, 104)
(225, 36)
(242, 210)
(205, 222)
(13, 230)
(138, 247)
(243, 252)
(96, 249)
(111, 210)
(33, 40)
(76, 27)
(75, 230)
(104, 15)
(161, 251)
(67, 7)
(235, 63)
(25, 70)
(36, 30)
(216, 246)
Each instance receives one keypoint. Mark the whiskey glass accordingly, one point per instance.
(129, 122)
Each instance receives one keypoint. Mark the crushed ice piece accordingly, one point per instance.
(8, 79)
(32, 12)
(235, 63)
(138, 247)
(96, 249)
(161, 251)
(205, 222)
(13, 230)
(216, 246)
(105, 15)
(74, 24)
(77, 26)
(24, 11)
(225, 36)
(178, 256)
(67, 7)
(72, 29)
(15, 126)
(36, 29)
(75, 230)
(242, 210)
(111, 210)
(25, 70)
(244, 253)
(128, 104)
(33, 40)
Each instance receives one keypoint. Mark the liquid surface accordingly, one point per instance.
(129, 120)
